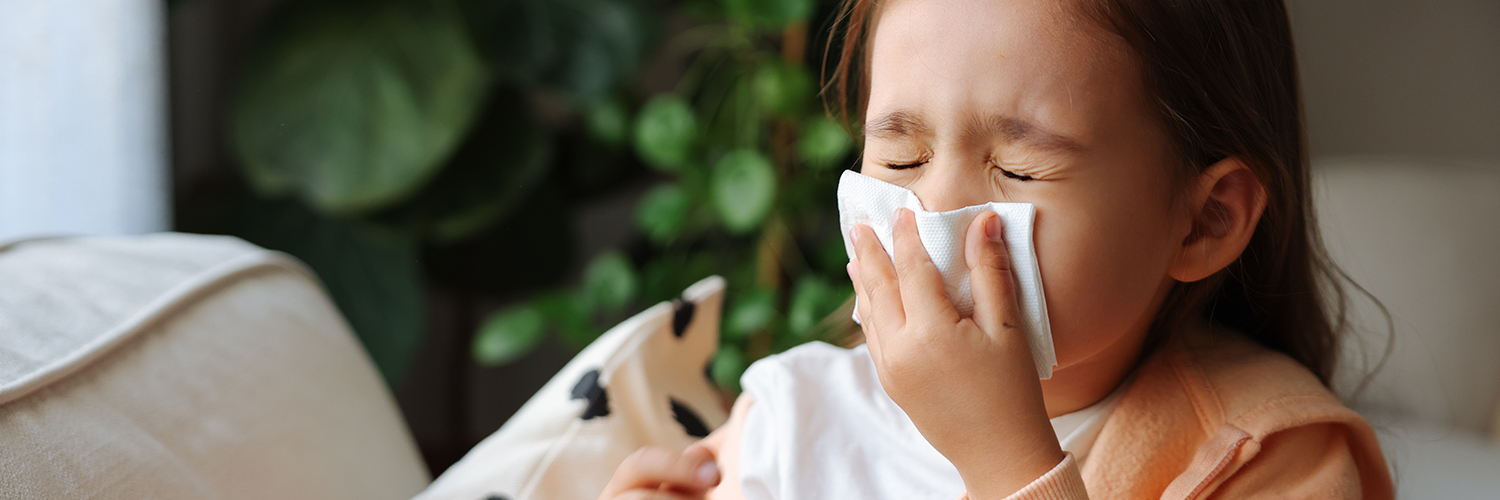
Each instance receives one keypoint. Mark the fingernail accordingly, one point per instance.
(708, 473)
(992, 228)
(854, 234)
(850, 268)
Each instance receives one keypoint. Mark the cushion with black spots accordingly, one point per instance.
(639, 384)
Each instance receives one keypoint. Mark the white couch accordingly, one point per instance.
(177, 366)
(1424, 237)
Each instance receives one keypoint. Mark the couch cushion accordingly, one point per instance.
(178, 366)
(1435, 460)
(1421, 236)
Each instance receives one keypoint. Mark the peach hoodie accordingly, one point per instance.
(1221, 417)
(1207, 416)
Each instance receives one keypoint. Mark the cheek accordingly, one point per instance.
(1101, 269)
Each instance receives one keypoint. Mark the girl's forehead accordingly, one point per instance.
(952, 59)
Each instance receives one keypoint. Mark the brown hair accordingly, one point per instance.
(1222, 77)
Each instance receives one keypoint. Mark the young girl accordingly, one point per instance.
(1161, 144)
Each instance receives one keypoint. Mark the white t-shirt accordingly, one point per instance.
(822, 427)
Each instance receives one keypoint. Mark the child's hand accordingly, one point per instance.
(969, 384)
(653, 473)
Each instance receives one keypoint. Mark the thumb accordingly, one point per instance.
(991, 277)
(701, 460)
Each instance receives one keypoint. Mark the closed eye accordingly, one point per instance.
(904, 166)
(1016, 176)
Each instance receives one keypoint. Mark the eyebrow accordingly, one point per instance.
(896, 124)
(1017, 130)
(903, 123)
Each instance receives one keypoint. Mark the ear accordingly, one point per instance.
(1226, 205)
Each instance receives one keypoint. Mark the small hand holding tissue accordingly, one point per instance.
(968, 383)
(865, 200)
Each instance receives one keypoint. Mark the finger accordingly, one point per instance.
(700, 458)
(922, 292)
(862, 306)
(860, 302)
(654, 467)
(991, 277)
(877, 277)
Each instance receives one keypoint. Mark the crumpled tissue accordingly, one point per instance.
(866, 200)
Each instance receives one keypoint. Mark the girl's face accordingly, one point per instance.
(973, 101)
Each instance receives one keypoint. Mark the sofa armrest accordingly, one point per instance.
(179, 366)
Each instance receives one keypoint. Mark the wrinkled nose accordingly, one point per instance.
(944, 187)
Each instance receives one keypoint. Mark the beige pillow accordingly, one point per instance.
(643, 382)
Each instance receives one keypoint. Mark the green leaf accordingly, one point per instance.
(507, 335)
(374, 276)
(353, 106)
(744, 188)
(782, 88)
(504, 158)
(768, 13)
(662, 212)
(609, 283)
(813, 298)
(666, 277)
(728, 365)
(732, 116)
(562, 311)
(608, 122)
(823, 142)
(831, 254)
(750, 313)
(580, 48)
(665, 132)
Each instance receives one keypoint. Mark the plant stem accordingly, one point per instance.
(769, 253)
(794, 42)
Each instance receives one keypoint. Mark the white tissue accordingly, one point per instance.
(873, 202)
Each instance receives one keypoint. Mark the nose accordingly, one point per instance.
(944, 186)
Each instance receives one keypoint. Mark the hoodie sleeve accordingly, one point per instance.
(1063, 482)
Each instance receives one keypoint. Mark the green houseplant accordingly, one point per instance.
(389, 131)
